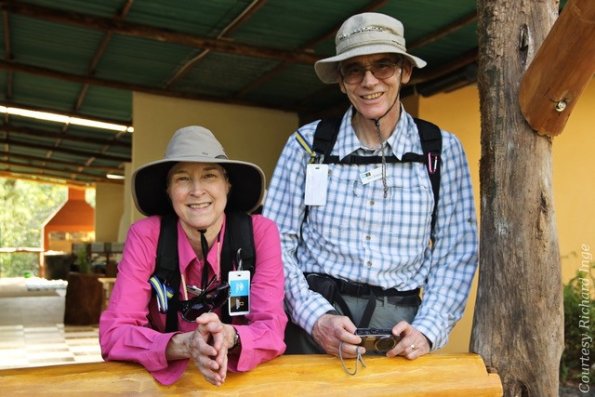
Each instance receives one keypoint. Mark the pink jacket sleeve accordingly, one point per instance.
(127, 334)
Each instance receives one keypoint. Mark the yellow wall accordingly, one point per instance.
(573, 180)
(574, 183)
(108, 210)
(247, 133)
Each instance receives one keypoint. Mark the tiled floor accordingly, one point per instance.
(34, 346)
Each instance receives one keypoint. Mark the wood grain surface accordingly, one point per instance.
(290, 375)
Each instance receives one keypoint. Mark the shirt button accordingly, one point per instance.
(368, 238)
(369, 263)
(371, 202)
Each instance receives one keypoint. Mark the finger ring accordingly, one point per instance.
(412, 346)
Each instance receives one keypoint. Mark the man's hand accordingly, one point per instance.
(330, 330)
(413, 344)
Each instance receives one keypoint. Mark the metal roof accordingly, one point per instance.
(84, 58)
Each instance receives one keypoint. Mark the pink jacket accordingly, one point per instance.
(130, 329)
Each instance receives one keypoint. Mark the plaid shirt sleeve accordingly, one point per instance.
(454, 258)
(285, 205)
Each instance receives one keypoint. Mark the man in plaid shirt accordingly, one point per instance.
(367, 228)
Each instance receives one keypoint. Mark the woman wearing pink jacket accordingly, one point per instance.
(201, 186)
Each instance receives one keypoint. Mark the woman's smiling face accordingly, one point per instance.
(198, 193)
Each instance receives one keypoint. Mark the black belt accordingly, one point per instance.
(359, 289)
(332, 292)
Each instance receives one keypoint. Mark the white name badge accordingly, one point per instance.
(316, 184)
(239, 292)
(371, 175)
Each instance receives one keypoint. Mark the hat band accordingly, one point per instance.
(348, 46)
(371, 28)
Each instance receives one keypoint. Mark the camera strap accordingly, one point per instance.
(358, 358)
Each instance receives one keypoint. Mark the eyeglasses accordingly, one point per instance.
(207, 301)
(353, 73)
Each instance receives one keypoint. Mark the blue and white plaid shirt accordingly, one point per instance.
(361, 236)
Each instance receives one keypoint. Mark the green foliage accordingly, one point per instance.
(25, 206)
(579, 313)
(82, 260)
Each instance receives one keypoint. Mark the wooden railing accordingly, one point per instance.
(454, 375)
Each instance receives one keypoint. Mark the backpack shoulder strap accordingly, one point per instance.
(238, 245)
(431, 143)
(430, 137)
(167, 267)
(326, 134)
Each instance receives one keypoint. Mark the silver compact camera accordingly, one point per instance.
(377, 341)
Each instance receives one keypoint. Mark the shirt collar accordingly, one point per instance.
(187, 255)
(400, 141)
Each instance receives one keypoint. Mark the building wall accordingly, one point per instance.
(109, 203)
(573, 185)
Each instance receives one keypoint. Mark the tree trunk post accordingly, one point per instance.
(518, 321)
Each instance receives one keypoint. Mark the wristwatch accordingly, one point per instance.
(236, 340)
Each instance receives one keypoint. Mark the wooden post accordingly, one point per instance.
(518, 322)
(561, 69)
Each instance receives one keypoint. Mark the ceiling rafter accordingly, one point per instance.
(49, 134)
(250, 10)
(152, 33)
(36, 70)
(120, 16)
(91, 72)
(8, 155)
(81, 153)
(44, 176)
(445, 31)
(51, 168)
(35, 177)
(7, 52)
(424, 76)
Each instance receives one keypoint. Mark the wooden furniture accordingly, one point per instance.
(453, 375)
(84, 297)
(107, 284)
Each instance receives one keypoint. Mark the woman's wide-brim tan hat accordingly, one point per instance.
(365, 34)
(198, 145)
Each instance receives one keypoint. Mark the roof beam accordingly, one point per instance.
(52, 177)
(74, 152)
(151, 33)
(8, 155)
(239, 20)
(7, 52)
(55, 74)
(445, 31)
(99, 53)
(423, 75)
(49, 134)
(45, 168)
